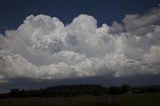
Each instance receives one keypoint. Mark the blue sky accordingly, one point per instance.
(13, 12)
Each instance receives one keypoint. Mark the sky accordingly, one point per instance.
(105, 11)
(55, 42)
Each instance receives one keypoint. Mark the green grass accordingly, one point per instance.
(121, 100)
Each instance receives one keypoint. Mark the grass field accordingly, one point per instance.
(121, 100)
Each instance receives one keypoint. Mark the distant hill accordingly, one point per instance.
(79, 90)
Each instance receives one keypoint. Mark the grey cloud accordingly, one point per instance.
(116, 28)
(142, 24)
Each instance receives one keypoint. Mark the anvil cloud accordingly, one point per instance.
(44, 48)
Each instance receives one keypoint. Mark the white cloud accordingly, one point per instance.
(44, 48)
(154, 55)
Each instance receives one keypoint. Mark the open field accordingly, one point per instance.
(121, 100)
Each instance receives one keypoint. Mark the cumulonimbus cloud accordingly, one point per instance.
(44, 48)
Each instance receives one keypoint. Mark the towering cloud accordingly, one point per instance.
(44, 48)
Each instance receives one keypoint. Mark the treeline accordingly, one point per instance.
(79, 90)
(59, 91)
